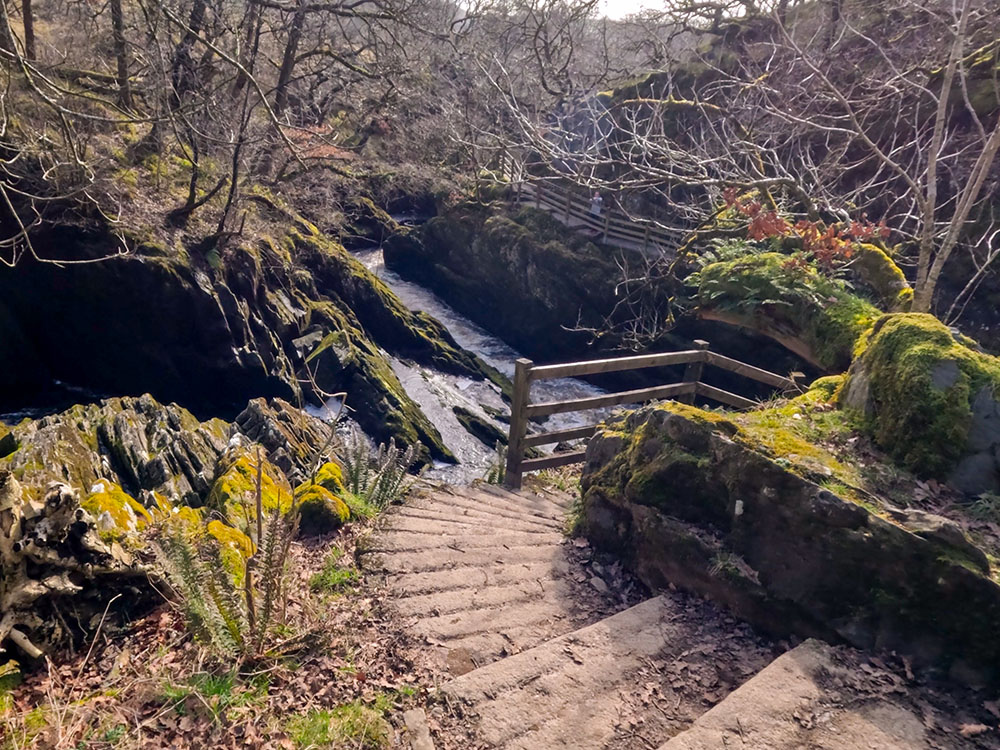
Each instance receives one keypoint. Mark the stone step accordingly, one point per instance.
(482, 597)
(554, 506)
(433, 510)
(476, 577)
(488, 503)
(473, 621)
(794, 703)
(400, 522)
(445, 557)
(409, 541)
(562, 693)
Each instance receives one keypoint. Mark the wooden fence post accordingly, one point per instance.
(569, 198)
(607, 221)
(518, 423)
(693, 371)
(645, 239)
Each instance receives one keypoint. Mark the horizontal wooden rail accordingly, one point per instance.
(608, 223)
(612, 399)
(526, 372)
(749, 371)
(579, 208)
(558, 436)
(617, 364)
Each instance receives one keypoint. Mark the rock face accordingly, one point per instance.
(212, 331)
(931, 400)
(521, 277)
(687, 498)
(80, 491)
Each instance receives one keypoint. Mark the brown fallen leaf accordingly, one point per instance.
(973, 730)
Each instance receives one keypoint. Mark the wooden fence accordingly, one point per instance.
(526, 372)
(566, 202)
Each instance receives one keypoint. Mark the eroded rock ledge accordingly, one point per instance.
(690, 498)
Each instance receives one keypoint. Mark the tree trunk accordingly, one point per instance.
(28, 19)
(182, 75)
(121, 53)
(288, 60)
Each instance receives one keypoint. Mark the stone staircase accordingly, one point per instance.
(542, 656)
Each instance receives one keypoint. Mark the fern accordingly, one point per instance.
(497, 473)
(375, 481)
(232, 620)
(356, 460)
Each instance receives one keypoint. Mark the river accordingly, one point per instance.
(438, 393)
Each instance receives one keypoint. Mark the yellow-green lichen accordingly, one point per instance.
(320, 511)
(879, 272)
(331, 477)
(235, 491)
(117, 513)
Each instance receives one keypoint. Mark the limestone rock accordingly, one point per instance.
(136, 443)
(932, 400)
(690, 499)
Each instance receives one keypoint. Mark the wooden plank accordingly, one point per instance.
(612, 399)
(616, 364)
(557, 459)
(545, 438)
(694, 370)
(518, 423)
(749, 371)
(725, 397)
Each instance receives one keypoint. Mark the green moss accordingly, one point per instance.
(921, 382)
(790, 302)
(234, 492)
(118, 514)
(334, 576)
(8, 443)
(235, 547)
(320, 510)
(331, 477)
(879, 272)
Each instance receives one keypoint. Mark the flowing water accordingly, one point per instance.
(438, 393)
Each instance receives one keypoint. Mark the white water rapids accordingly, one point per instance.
(436, 393)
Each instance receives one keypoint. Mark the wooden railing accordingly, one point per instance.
(523, 411)
(566, 204)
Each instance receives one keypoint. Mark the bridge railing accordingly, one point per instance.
(527, 372)
(567, 202)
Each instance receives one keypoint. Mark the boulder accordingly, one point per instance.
(320, 511)
(692, 499)
(931, 399)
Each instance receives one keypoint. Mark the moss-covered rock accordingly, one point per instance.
(694, 499)
(140, 444)
(482, 429)
(815, 316)
(879, 272)
(234, 492)
(331, 477)
(930, 400)
(320, 511)
(222, 332)
(521, 276)
(8, 443)
(118, 514)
